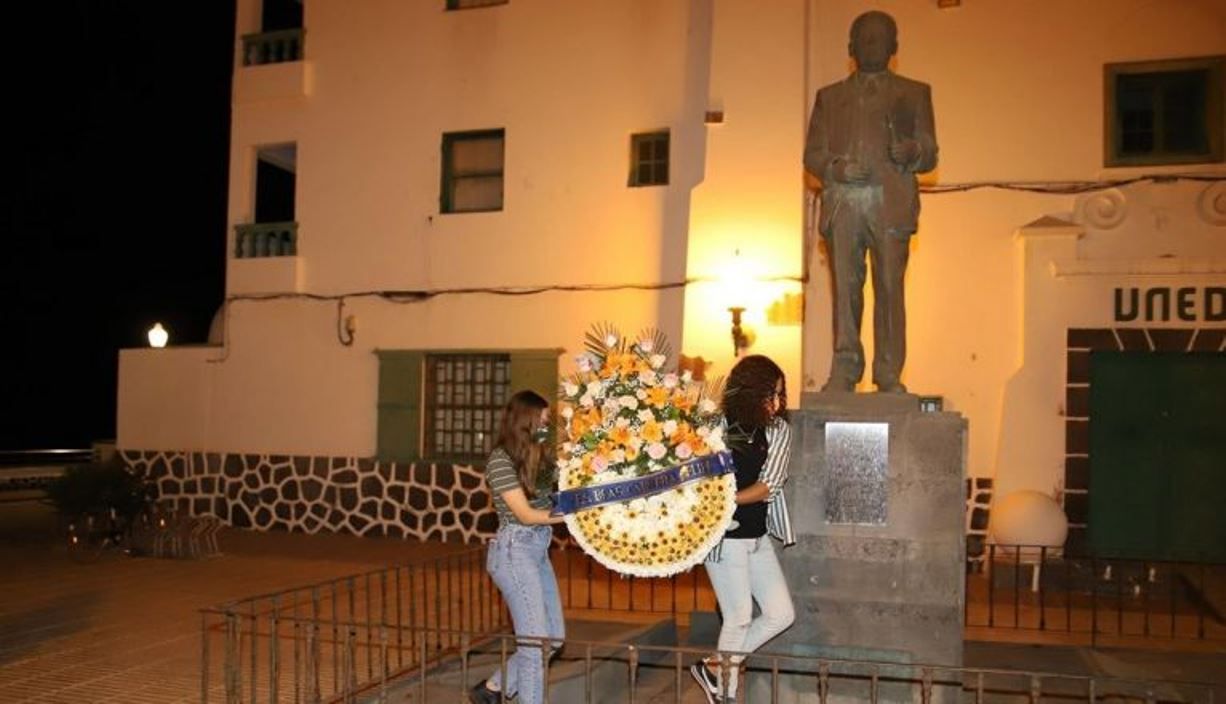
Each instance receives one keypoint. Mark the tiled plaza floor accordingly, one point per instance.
(126, 629)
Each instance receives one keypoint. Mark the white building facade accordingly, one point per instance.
(474, 187)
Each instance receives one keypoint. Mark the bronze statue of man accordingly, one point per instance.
(869, 135)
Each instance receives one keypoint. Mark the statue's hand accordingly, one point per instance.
(904, 151)
(850, 172)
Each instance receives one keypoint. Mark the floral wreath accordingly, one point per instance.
(627, 417)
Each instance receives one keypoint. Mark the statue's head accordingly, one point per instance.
(874, 39)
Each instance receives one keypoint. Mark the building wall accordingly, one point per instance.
(1017, 89)
(1018, 95)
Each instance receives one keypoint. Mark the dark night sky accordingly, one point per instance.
(115, 213)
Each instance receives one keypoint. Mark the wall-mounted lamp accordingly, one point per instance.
(158, 335)
(740, 340)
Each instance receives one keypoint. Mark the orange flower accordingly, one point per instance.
(578, 426)
(681, 434)
(652, 432)
(682, 402)
(657, 396)
(619, 436)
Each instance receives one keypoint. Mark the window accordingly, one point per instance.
(649, 159)
(1164, 112)
(447, 404)
(465, 394)
(472, 171)
(466, 4)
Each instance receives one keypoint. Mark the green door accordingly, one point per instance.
(1158, 455)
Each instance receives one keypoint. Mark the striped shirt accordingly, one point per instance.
(501, 477)
(774, 475)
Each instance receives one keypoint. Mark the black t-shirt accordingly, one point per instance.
(748, 459)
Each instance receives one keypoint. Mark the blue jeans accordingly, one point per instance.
(518, 560)
(748, 571)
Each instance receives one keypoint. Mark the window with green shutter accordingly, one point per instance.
(446, 404)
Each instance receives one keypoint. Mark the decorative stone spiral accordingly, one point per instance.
(1103, 210)
(1211, 204)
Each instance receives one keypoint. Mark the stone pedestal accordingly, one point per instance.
(877, 501)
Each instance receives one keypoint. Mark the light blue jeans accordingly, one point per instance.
(748, 572)
(518, 560)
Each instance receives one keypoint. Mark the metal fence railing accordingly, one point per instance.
(291, 646)
(591, 671)
(586, 584)
(1096, 600)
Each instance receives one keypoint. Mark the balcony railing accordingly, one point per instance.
(266, 239)
(272, 47)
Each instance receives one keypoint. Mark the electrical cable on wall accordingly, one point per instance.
(345, 325)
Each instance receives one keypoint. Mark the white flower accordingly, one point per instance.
(622, 422)
(657, 360)
(628, 401)
(647, 377)
(669, 427)
(618, 456)
(646, 415)
(610, 340)
(684, 451)
(706, 405)
(596, 389)
(636, 442)
(571, 389)
(640, 394)
(568, 412)
(586, 400)
(583, 363)
(670, 381)
(687, 376)
(716, 439)
(656, 451)
(646, 345)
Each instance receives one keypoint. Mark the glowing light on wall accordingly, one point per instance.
(158, 336)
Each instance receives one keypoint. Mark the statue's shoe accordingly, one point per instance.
(839, 385)
(891, 388)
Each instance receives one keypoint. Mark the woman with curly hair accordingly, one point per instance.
(519, 474)
(743, 567)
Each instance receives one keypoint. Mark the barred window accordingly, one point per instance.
(464, 397)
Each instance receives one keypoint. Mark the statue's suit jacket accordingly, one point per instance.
(833, 133)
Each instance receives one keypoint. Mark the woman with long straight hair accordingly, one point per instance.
(519, 474)
(743, 567)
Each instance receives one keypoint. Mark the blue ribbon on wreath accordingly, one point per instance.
(583, 498)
